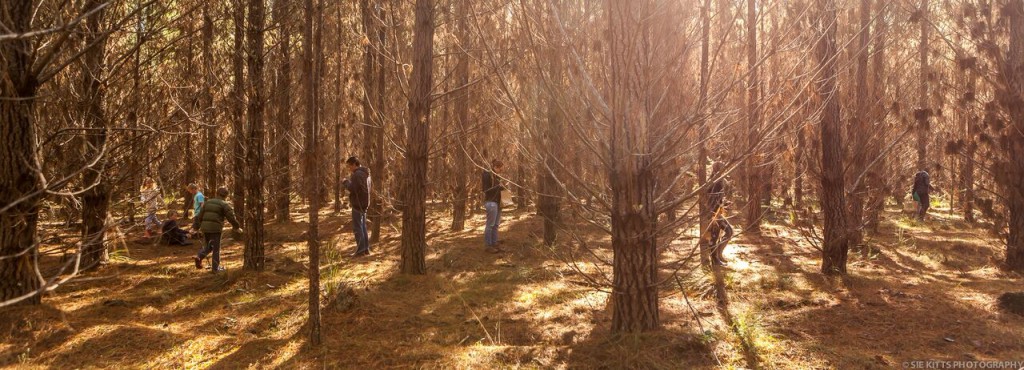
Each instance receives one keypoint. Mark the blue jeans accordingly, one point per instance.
(493, 220)
(359, 229)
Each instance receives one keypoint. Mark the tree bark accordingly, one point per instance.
(755, 185)
(96, 197)
(704, 133)
(414, 230)
(1013, 100)
(282, 146)
(860, 132)
(238, 113)
(461, 190)
(310, 86)
(633, 214)
(550, 190)
(20, 184)
(254, 258)
(877, 194)
(209, 114)
(923, 112)
(835, 245)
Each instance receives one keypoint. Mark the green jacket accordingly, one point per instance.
(211, 218)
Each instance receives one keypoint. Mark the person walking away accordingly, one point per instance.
(197, 202)
(210, 222)
(172, 234)
(150, 196)
(720, 230)
(358, 185)
(921, 190)
(492, 204)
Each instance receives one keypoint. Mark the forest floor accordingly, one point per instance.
(927, 292)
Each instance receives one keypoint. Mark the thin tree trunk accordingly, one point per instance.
(238, 113)
(877, 193)
(923, 112)
(96, 198)
(461, 190)
(282, 146)
(550, 190)
(835, 248)
(254, 258)
(859, 133)
(310, 84)
(209, 114)
(969, 121)
(755, 185)
(375, 153)
(414, 229)
(704, 133)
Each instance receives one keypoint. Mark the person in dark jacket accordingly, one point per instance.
(171, 233)
(921, 190)
(358, 186)
(210, 222)
(720, 230)
(492, 204)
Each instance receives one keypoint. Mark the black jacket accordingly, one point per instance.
(492, 187)
(359, 189)
(922, 183)
(716, 195)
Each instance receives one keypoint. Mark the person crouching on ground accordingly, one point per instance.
(210, 222)
(358, 185)
(172, 233)
(492, 204)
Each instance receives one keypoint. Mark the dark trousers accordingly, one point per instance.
(359, 229)
(176, 236)
(211, 243)
(721, 232)
(923, 204)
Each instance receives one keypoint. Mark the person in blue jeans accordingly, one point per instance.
(358, 186)
(492, 204)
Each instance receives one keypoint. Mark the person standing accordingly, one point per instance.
(210, 221)
(197, 203)
(150, 196)
(358, 185)
(720, 231)
(922, 188)
(492, 204)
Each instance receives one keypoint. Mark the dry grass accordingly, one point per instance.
(928, 284)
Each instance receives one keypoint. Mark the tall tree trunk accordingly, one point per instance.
(96, 198)
(375, 153)
(209, 114)
(833, 199)
(859, 134)
(238, 113)
(414, 229)
(877, 193)
(969, 119)
(20, 184)
(550, 190)
(634, 216)
(310, 85)
(282, 147)
(923, 112)
(755, 184)
(461, 190)
(253, 256)
(704, 132)
(1014, 102)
